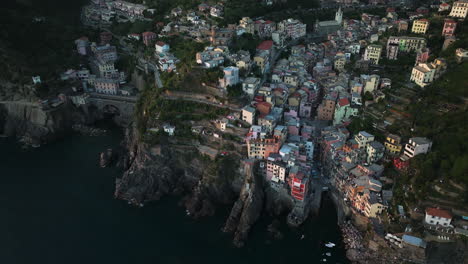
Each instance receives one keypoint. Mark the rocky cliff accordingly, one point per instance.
(204, 184)
(154, 171)
(248, 208)
(29, 120)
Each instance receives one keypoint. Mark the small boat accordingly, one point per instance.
(324, 260)
(187, 212)
(330, 245)
(302, 237)
(328, 254)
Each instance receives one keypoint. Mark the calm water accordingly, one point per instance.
(58, 207)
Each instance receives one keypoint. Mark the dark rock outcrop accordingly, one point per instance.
(248, 208)
(25, 119)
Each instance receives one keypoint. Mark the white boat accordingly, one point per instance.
(187, 212)
(330, 245)
(328, 254)
(302, 237)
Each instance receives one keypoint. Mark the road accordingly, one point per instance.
(230, 107)
(128, 99)
(23, 103)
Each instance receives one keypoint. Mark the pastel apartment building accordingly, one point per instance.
(276, 170)
(363, 138)
(326, 109)
(423, 74)
(372, 53)
(397, 44)
(106, 86)
(261, 148)
(293, 28)
(459, 9)
(393, 144)
(248, 114)
(375, 151)
(231, 77)
(250, 85)
(449, 28)
(416, 146)
(299, 184)
(210, 58)
(420, 26)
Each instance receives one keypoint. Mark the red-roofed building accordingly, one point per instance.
(444, 7)
(266, 45)
(437, 216)
(343, 102)
(401, 163)
(263, 108)
(148, 37)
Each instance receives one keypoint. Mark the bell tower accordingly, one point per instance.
(339, 16)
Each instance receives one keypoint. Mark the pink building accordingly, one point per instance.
(148, 37)
(106, 86)
(449, 28)
(422, 56)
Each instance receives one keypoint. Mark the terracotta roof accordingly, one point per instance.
(265, 45)
(160, 43)
(343, 101)
(148, 33)
(439, 212)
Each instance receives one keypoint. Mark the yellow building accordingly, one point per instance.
(459, 9)
(393, 144)
(420, 26)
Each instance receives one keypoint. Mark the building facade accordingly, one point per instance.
(420, 26)
(459, 9)
(372, 54)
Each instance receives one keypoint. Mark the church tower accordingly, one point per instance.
(339, 16)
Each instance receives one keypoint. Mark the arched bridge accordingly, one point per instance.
(121, 107)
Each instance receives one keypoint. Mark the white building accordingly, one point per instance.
(423, 74)
(372, 53)
(363, 138)
(251, 85)
(436, 216)
(231, 77)
(416, 146)
(161, 47)
(169, 129)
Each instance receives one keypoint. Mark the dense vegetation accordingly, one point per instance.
(43, 47)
